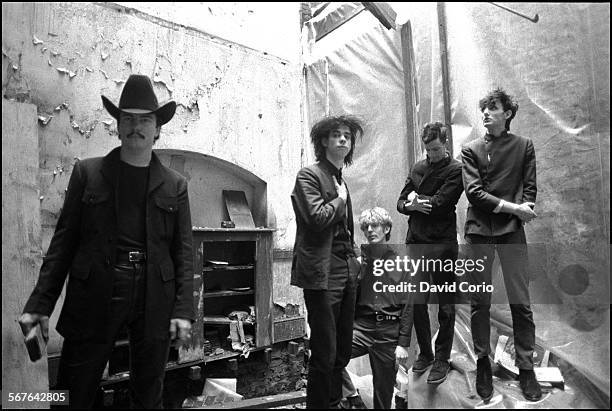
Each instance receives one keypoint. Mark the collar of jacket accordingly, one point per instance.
(488, 137)
(110, 168)
(330, 167)
(444, 162)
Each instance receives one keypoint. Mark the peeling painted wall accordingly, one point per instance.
(269, 27)
(236, 103)
(20, 246)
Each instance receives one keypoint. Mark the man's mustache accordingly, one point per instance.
(135, 134)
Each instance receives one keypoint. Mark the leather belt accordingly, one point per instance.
(385, 317)
(134, 257)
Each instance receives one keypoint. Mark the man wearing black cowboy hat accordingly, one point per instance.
(124, 240)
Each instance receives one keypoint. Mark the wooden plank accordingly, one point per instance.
(263, 290)
(445, 75)
(231, 230)
(336, 19)
(282, 254)
(383, 12)
(170, 366)
(229, 268)
(216, 319)
(195, 349)
(289, 329)
(21, 245)
(409, 92)
(269, 401)
(216, 294)
(238, 208)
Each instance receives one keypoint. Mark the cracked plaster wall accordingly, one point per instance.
(269, 27)
(235, 103)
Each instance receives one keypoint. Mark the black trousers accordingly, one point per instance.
(418, 311)
(378, 339)
(330, 317)
(82, 362)
(512, 251)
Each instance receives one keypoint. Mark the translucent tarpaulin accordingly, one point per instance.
(365, 78)
(458, 391)
(558, 69)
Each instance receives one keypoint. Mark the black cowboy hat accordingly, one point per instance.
(138, 97)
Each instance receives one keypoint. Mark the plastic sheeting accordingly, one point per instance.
(458, 391)
(558, 69)
(342, 82)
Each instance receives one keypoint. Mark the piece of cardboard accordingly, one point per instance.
(550, 375)
(545, 374)
(238, 209)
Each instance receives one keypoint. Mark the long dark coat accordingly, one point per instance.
(84, 243)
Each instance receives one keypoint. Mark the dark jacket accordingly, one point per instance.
(510, 174)
(318, 210)
(441, 184)
(83, 247)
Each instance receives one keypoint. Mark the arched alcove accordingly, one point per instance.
(208, 176)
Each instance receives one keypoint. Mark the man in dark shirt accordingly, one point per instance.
(429, 197)
(376, 329)
(124, 239)
(324, 262)
(499, 174)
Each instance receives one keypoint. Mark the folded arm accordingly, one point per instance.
(447, 195)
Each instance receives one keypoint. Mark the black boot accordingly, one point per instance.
(529, 385)
(484, 379)
(438, 372)
(422, 363)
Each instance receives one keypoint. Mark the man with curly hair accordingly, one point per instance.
(324, 262)
(499, 176)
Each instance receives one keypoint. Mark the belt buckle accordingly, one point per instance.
(135, 256)
(380, 317)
